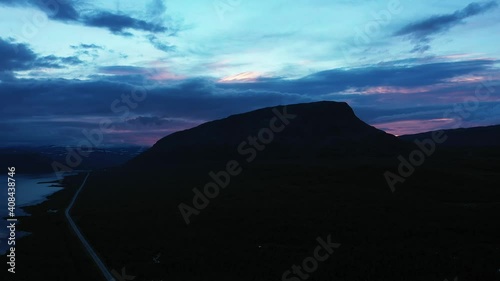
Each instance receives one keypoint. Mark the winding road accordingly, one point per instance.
(86, 244)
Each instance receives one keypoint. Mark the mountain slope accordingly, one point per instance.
(465, 137)
(256, 224)
(312, 130)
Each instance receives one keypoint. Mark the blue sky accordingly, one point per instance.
(402, 65)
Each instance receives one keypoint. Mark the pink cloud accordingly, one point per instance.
(456, 56)
(402, 90)
(407, 127)
(250, 76)
(466, 56)
(446, 84)
(163, 75)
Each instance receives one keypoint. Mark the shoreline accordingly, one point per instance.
(55, 183)
(50, 233)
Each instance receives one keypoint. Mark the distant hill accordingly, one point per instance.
(317, 130)
(39, 159)
(465, 137)
(25, 162)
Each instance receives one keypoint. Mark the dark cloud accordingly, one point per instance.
(71, 11)
(63, 10)
(123, 70)
(68, 11)
(147, 121)
(421, 32)
(47, 61)
(117, 23)
(87, 51)
(15, 56)
(56, 62)
(87, 46)
(58, 9)
(18, 57)
(65, 107)
(72, 60)
(158, 44)
(338, 80)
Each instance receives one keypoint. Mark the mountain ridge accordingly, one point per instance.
(482, 136)
(316, 130)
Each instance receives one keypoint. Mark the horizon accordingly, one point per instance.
(141, 71)
(114, 145)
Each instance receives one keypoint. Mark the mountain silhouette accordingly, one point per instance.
(321, 175)
(314, 130)
(465, 137)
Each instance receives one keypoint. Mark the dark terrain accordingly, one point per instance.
(39, 159)
(322, 175)
(471, 137)
(52, 251)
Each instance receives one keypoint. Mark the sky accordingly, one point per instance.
(131, 72)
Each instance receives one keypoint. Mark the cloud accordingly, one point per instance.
(87, 46)
(63, 10)
(138, 75)
(158, 44)
(407, 127)
(20, 57)
(120, 24)
(147, 121)
(122, 70)
(176, 105)
(241, 77)
(158, 22)
(341, 80)
(157, 10)
(181, 106)
(421, 32)
(117, 23)
(15, 56)
(72, 60)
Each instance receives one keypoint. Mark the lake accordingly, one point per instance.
(28, 192)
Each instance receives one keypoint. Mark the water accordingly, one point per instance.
(28, 192)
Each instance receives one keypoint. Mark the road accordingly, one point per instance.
(86, 244)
